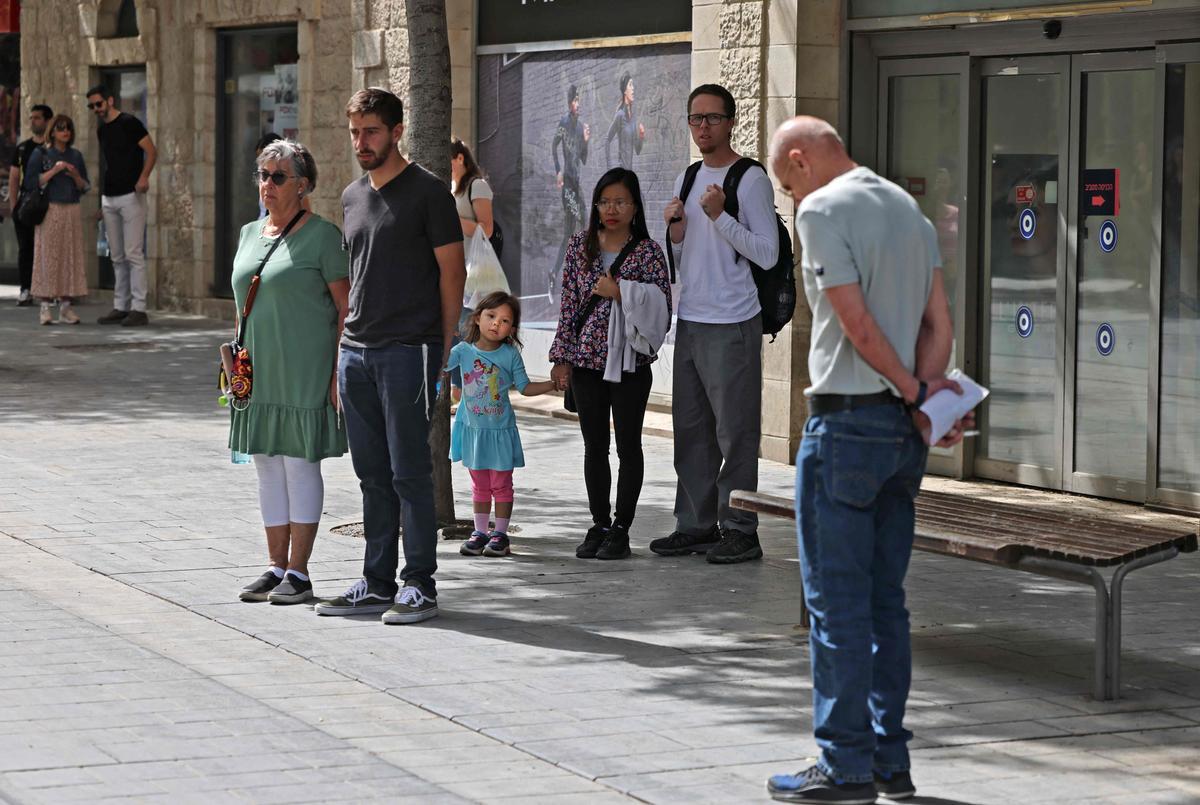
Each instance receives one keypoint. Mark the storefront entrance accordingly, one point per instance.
(1058, 184)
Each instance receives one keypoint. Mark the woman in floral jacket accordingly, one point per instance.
(592, 285)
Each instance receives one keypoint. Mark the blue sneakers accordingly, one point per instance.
(814, 785)
(475, 544)
(497, 545)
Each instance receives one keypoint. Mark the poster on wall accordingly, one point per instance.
(551, 123)
(287, 109)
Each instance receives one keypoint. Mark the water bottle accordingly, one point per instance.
(102, 241)
(236, 457)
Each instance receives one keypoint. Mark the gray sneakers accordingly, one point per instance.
(412, 606)
(292, 590)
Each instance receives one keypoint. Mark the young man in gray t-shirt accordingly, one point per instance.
(881, 340)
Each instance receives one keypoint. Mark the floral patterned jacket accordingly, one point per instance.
(589, 349)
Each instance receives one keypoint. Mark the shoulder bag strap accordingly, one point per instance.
(253, 291)
(582, 317)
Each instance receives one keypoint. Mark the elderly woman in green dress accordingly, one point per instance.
(293, 419)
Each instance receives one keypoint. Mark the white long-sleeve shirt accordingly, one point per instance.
(714, 286)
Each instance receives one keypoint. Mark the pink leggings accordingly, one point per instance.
(488, 485)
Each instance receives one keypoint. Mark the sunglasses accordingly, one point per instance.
(278, 177)
(96, 105)
(64, 127)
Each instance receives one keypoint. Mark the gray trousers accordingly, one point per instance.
(716, 409)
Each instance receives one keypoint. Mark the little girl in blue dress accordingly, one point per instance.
(484, 436)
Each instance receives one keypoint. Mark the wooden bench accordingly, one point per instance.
(1056, 544)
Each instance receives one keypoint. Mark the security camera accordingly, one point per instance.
(1051, 29)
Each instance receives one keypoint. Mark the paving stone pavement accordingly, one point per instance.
(128, 669)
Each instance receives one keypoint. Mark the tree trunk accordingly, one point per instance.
(427, 126)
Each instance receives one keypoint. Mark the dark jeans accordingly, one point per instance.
(24, 254)
(596, 398)
(857, 474)
(387, 396)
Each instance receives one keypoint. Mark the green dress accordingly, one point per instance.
(292, 337)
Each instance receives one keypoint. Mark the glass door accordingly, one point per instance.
(257, 93)
(1025, 121)
(1174, 459)
(1109, 295)
(923, 143)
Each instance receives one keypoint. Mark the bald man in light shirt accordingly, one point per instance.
(881, 341)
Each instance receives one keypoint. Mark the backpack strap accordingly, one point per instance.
(689, 180)
(730, 187)
(734, 178)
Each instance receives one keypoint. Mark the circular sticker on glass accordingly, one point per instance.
(1108, 236)
(1027, 223)
(1105, 338)
(1024, 321)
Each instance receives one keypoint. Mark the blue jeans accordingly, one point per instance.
(387, 396)
(857, 474)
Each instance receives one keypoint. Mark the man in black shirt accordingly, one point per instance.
(406, 284)
(39, 118)
(128, 156)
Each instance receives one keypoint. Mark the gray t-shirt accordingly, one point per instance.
(394, 276)
(478, 189)
(862, 228)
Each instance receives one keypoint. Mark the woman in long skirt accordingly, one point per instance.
(58, 267)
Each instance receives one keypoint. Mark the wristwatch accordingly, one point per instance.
(922, 390)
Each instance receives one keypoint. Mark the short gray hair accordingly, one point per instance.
(303, 164)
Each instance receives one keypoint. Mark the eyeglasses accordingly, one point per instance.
(278, 177)
(620, 205)
(96, 105)
(712, 119)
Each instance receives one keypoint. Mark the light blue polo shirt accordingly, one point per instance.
(861, 228)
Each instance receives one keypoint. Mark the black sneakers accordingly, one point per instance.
(292, 590)
(113, 316)
(591, 542)
(616, 544)
(896, 785)
(258, 589)
(679, 544)
(734, 547)
(814, 785)
(359, 599)
(136, 318)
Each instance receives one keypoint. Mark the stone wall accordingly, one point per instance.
(778, 58)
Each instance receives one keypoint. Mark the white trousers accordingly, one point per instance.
(290, 490)
(125, 220)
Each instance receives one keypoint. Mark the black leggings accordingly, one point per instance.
(595, 398)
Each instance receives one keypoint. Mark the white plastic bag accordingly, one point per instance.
(484, 272)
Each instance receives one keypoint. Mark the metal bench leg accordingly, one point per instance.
(1114, 633)
(1084, 575)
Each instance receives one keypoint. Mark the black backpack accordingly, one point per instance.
(776, 286)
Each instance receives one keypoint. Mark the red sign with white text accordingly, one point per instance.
(1026, 194)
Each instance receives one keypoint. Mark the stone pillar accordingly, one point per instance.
(750, 47)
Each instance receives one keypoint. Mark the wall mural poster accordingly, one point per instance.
(551, 123)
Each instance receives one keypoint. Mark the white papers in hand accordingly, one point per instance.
(945, 408)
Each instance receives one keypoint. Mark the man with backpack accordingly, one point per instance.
(717, 377)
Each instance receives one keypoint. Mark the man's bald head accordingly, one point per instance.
(806, 154)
